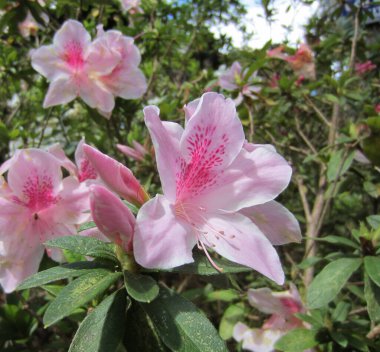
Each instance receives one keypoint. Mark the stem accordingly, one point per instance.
(44, 127)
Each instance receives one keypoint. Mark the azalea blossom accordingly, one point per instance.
(29, 26)
(82, 168)
(233, 79)
(133, 6)
(215, 190)
(112, 217)
(36, 204)
(95, 71)
(116, 176)
(125, 80)
(137, 152)
(302, 62)
(282, 306)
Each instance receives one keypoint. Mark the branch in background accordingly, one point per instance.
(317, 111)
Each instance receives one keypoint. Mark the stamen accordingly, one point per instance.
(210, 259)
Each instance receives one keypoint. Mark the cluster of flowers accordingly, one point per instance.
(235, 78)
(218, 194)
(302, 62)
(96, 71)
(282, 306)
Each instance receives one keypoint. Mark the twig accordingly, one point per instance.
(44, 127)
(302, 191)
(374, 332)
(304, 138)
(251, 123)
(318, 112)
(355, 38)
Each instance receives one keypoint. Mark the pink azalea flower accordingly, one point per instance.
(116, 176)
(362, 68)
(232, 79)
(137, 152)
(302, 62)
(282, 306)
(124, 80)
(73, 66)
(133, 6)
(377, 108)
(207, 179)
(82, 168)
(35, 205)
(112, 216)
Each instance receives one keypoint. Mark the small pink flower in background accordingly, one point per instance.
(125, 80)
(233, 78)
(302, 62)
(282, 306)
(137, 152)
(362, 68)
(36, 204)
(116, 176)
(132, 6)
(377, 108)
(208, 178)
(30, 26)
(112, 216)
(95, 71)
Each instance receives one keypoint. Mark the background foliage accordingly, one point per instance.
(318, 125)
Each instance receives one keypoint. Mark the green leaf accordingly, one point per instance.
(339, 240)
(140, 333)
(202, 266)
(66, 271)
(338, 164)
(181, 325)
(328, 283)
(86, 226)
(308, 262)
(372, 268)
(341, 311)
(223, 295)
(103, 329)
(77, 293)
(88, 246)
(297, 340)
(372, 296)
(142, 288)
(374, 221)
(231, 316)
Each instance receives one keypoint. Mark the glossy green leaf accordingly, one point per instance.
(297, 340)
(103, 329)
(372, 268)
(372, 296)
(181, 325)
(142, 288)
(88, 246)
(328, 283)
(65, 271)
(77, 293)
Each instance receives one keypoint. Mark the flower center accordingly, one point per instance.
(74, 55)
(86, 171)
(38, 191)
